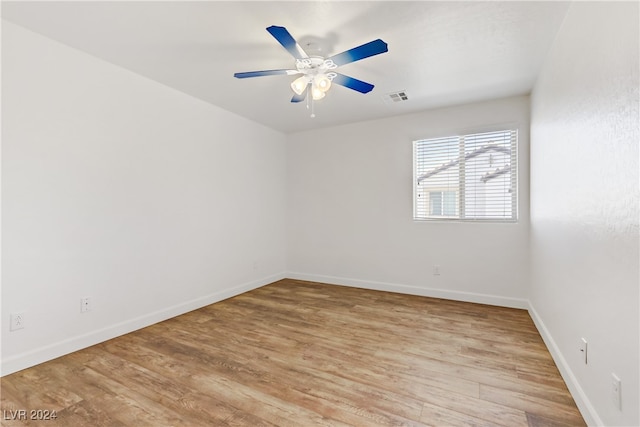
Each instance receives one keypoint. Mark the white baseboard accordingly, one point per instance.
(414, 290)
(582, 401)
(52, 351)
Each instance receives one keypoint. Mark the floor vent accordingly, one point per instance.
(393, 97)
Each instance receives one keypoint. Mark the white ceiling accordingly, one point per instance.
(441, 53)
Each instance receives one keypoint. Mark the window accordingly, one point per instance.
(469, 177)
(442, 203)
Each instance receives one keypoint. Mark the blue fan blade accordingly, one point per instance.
(301, 97)
(357, 53)
(351, 83)
(265, 73)
(287, 41)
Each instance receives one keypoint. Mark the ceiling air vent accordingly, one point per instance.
(393, 97)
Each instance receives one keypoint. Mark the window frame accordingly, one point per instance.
(460, 201)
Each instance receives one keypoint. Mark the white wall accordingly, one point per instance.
(350, 210)
(584, 206)
(115, 187)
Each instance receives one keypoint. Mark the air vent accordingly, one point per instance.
(393, 97)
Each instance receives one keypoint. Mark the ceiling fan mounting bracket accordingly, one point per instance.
(313, 46)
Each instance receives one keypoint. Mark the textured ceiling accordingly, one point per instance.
(440, 53)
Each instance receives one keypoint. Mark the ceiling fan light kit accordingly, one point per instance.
(317, 75)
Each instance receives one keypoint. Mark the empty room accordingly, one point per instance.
(320, 213)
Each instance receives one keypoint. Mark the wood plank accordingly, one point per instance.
(433, 415)
(533, 405)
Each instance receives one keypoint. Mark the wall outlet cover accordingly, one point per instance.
(17, 321)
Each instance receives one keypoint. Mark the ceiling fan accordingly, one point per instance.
(317, 72)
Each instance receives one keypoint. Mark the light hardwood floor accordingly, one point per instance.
(297, 353)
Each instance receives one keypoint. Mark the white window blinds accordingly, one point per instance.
(468, 177)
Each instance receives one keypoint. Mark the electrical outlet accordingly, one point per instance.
(436, 270)
(85, 304)
(17, 321)
(583, 349)
(616, 391)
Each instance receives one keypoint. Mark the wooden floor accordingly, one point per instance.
(298, 354)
